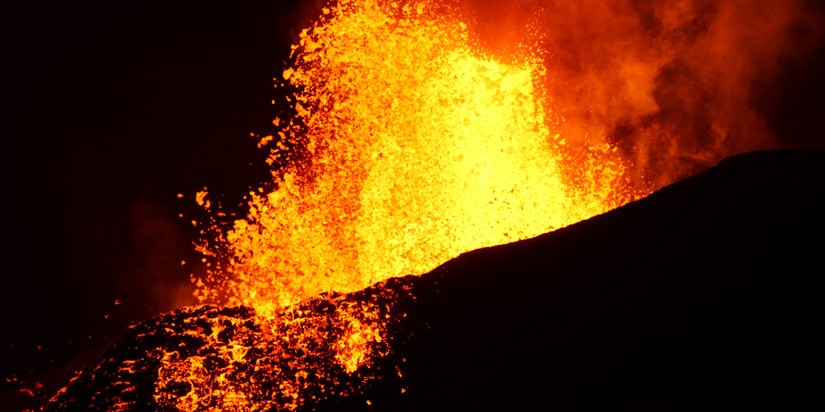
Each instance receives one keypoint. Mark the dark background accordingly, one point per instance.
(111, 110)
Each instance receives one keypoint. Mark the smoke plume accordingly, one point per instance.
(676, 85)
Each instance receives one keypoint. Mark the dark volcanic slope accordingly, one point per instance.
(705, 295)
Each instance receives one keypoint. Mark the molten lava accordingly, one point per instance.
(409, 146)
(412, 139)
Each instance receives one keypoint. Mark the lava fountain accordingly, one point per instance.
(408, 143)
(408, 147)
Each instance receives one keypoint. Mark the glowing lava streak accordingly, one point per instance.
(409, 147)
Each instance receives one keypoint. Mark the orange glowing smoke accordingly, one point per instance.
(676, 85)
(415, 147)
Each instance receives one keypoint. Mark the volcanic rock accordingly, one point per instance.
(705, 295)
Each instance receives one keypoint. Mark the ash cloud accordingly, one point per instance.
(676, 85)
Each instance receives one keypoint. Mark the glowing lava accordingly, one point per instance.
(409, 146)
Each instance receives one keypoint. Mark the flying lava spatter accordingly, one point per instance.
(409, 145)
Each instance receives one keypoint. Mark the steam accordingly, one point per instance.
(674, 84)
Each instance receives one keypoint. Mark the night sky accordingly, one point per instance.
(110, 112)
